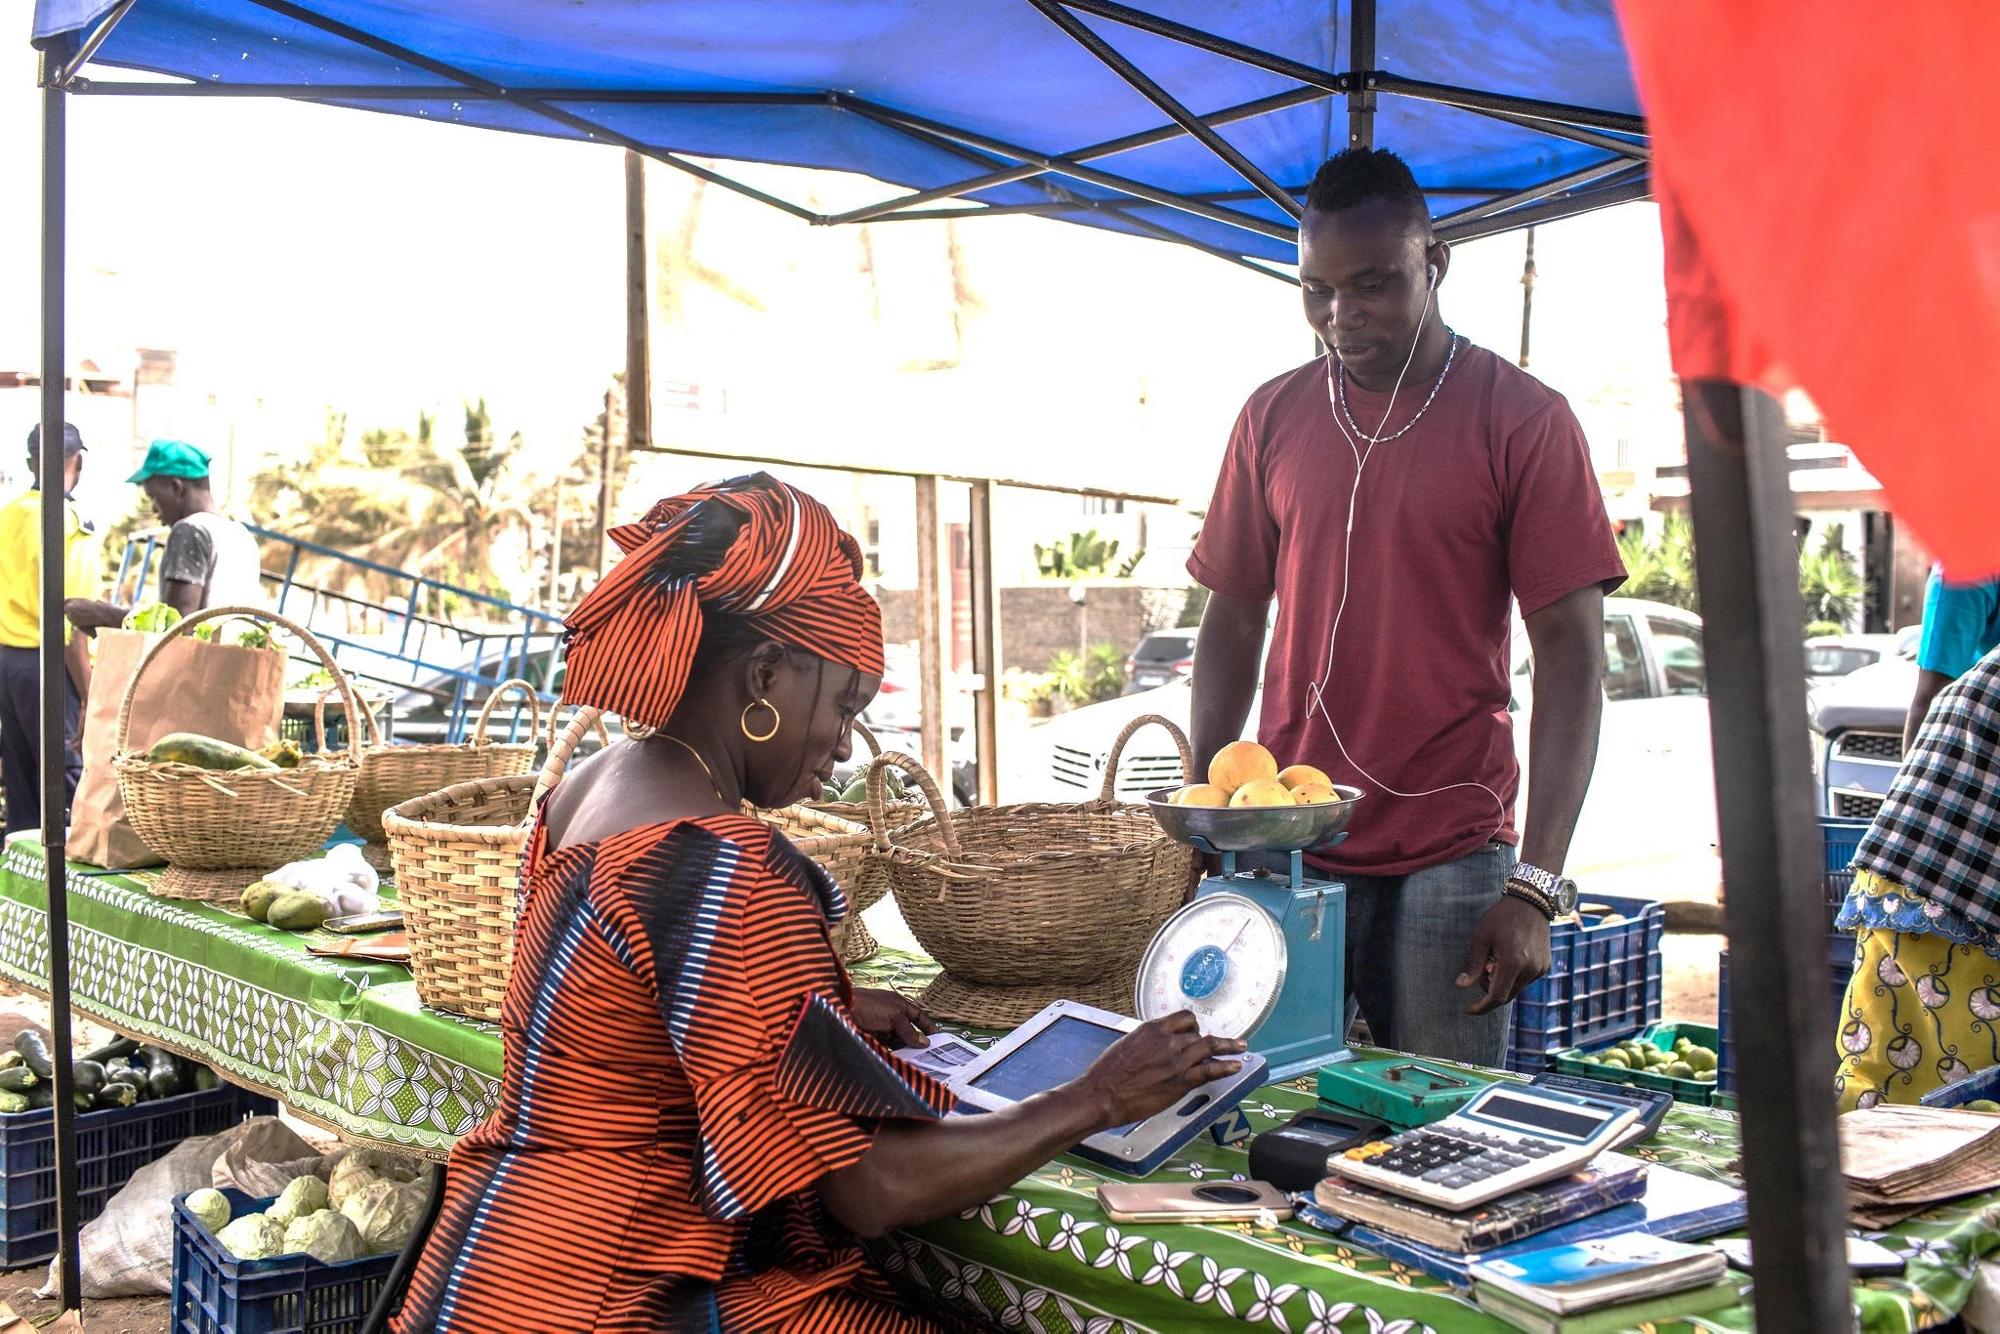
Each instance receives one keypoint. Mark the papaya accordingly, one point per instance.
(258, 898)
(298, 910)
(204, 752)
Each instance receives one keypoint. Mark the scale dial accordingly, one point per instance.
(1223, 957)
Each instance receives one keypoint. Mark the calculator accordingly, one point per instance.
(1509, 1137)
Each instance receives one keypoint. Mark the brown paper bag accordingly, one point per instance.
(216, 690)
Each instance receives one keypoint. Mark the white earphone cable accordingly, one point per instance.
(1316, 692)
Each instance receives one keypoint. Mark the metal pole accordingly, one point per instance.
(638, 381)
(1527, 295)
(55, 510)
(985, 644)
(1361, 59)
(607, 460)
(930, 640)
(1749, 577)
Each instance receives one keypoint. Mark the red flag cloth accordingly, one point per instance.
(1832, 218)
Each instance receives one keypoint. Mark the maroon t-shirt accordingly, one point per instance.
(1490, 497)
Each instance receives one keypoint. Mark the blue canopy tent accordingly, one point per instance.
(1196, 122)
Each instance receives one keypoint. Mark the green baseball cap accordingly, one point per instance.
(172, 458)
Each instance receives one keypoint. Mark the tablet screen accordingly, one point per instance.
(1056, 1055)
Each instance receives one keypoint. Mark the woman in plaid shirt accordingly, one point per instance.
(1923, 1006)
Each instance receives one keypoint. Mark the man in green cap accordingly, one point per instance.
(211, 560)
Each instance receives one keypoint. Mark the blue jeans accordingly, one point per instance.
(1406, 941)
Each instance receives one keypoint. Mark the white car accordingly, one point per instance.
(1651, 800)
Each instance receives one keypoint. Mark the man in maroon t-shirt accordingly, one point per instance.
(1395, 496)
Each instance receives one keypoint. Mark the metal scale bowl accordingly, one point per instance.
(1259, 954)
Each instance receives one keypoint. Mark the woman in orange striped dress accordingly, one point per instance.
(699, 1114)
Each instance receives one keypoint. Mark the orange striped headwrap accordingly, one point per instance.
(789, 570)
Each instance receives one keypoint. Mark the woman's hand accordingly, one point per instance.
(1150, 1068)
(891, 1016)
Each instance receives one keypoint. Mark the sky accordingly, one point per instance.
(304, 257)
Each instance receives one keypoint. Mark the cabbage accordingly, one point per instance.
(359, 1168)
(253, 1237)
(211, 1207)
(387, 1212)
(329, 1237)
(152, 617)
(304, 1195)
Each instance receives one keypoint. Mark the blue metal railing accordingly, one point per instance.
(423, 650)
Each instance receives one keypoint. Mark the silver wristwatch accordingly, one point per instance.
(1553, 894)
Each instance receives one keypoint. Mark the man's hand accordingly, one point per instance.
(896, 1020)
(1509, 950)
(90, 614)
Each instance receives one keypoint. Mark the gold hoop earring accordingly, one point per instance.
(744, 721)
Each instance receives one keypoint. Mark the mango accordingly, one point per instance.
(1303, 775)
(1312, 794)
(1201, 794)
(1262, 792)
(298, 910)
(258, 898)
(1240, 763)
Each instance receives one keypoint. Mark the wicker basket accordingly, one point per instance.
(221, 831)
(457, 856)
(1024, 905)
(392, 775)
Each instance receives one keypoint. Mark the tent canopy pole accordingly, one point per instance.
(55, 693)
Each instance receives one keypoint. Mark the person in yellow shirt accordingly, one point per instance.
(21, 636)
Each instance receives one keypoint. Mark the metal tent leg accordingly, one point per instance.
(54, 776)
(1747, 565)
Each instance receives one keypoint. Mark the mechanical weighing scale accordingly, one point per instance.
(1258, 955)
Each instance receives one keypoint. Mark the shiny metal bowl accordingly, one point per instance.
(1254, 828)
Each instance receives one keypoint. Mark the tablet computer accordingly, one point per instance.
(1059, 1044)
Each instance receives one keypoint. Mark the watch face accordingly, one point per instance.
(1565, 895)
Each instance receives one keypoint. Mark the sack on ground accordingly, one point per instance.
(224, 691)
(128, 1250)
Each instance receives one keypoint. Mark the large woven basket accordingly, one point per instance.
(1028, 904)
(392, 775)
(457, 856)
(220, 831)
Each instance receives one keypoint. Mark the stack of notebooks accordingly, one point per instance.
(1616, 1194)
(1612, 1283)
(1901, 1160)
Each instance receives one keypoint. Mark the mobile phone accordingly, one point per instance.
(1191, 1201)
(1865, 1258)
(364, 922)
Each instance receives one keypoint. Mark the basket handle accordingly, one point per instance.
(319, 722)
(563, 746)
(187, 623)
(878, 791)
(555, 723)
(1118, 750)
(867, 738)
(479, 737)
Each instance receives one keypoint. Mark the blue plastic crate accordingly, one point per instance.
(110, 1146)
(1603, 983)
(1839, 967)
(1838, 840)
(216, 1293)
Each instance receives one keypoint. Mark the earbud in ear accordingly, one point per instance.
(1434, 277)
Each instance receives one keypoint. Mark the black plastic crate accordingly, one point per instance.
(1603, 983)
(110, 1146)
(1838, 840)
(216, 1293)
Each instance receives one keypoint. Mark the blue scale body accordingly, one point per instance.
(1307, 1028)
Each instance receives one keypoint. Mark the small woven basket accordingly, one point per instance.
(1028, 904)
(221, 831)
(391, 775)
(457, 856)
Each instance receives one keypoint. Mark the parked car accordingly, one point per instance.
(1652, 794)
(1830, 657)
(1162, 657)
(1857, 724)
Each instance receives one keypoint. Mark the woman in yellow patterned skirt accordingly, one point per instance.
(1923, 1006)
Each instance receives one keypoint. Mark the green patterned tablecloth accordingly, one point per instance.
(351, 1046)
